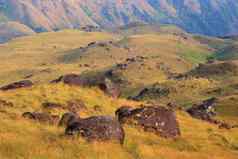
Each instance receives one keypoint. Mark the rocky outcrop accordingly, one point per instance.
(97, 128)
(17, 85)
(204, 111)
(100, 80)
(155, 119)
(68, 118)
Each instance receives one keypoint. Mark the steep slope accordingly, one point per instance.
(206, 17)
(28, 139)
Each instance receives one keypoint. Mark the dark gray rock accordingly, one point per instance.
(17, 85)
(67, 119)
(97, 128)
(204, 111)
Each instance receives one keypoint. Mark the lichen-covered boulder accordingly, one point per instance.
(155, 119)
(97, 128)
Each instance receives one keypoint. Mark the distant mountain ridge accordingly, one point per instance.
(210, 17)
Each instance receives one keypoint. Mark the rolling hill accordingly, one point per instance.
(165, 66)
(11, 30)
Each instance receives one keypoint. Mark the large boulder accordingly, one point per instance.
(97, 128)
(154, 119)
(98, 80)
(204, 111)
(70, 79)
(41, 117)
(16, 85)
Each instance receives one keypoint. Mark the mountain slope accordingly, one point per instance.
(211, 17)
(11, 30)
(143, 60)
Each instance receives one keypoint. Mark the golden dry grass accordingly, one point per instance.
(43, 56)
(29, 140)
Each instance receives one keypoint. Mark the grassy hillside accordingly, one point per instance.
(37, 55)
(26, 139)
(142, 61)
(228, 53)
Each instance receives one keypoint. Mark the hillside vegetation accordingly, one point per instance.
(173, 67)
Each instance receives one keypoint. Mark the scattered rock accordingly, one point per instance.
(131, 60)
(86, 65)
(4, 103)
(91, 28)
(203, 111)
(67, 119)
(97, 128)
(16, 85)
(154, 119)
(47, 70)
(49, 105)
(154, 92)
(28, 76)
(41, 117)
(122, 66)
(223, 125)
